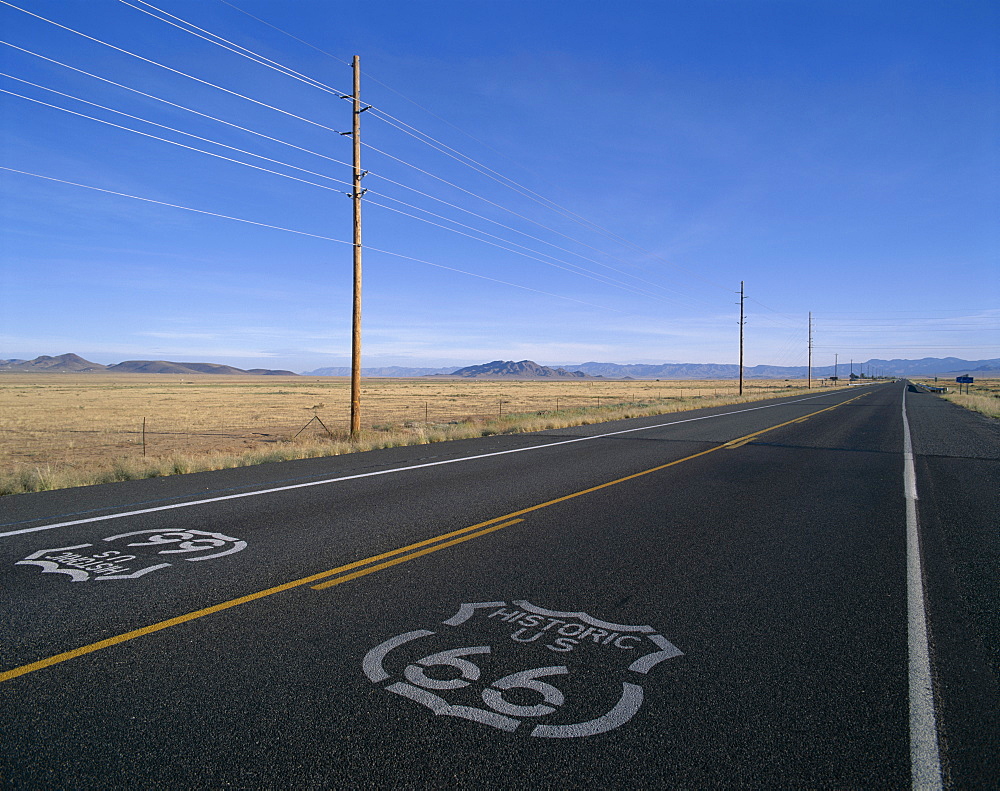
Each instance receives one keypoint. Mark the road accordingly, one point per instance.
(793, 593)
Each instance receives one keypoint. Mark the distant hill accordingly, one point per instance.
(525, 369)
(64, 362)
(73, 363)
(928, 366)
(165, 367)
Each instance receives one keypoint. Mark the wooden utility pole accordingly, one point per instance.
(356, 322)
(809, 386)
(742, 297)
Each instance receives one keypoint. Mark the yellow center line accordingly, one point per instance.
(405, 558)
(422, 547)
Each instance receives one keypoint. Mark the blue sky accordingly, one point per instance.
(839, 157)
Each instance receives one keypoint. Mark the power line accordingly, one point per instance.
(584, 272)
(917, 310)
(175, 71)
(256, 57)
(522, 233)
(301, 41)
(917, 328)
(918, 346)
(388, 118)
(251, 131)
(793, 322)
(306, 233)
(235, 48)
(578, 218)
(293, 115)
(374, 79)
(515, 230)
(499, 206)
(303, 78)
(606, 280)
(178, 106)
(603, 279)
(238, 49)
(173, 142)
(531, 194)
(395, 122)
(398, 124)
(169, 128)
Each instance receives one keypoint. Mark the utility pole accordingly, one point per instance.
(356, 197)
(742, 322)
(836, 371)
(810, 379)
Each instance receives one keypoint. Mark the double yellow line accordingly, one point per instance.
(370, 565)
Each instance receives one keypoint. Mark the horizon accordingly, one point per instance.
(844, 365)
(839, 157)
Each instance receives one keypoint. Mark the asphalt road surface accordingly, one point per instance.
(798, 593)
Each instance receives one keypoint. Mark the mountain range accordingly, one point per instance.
(928, 366)
(73, 363)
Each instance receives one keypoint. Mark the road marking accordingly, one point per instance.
(507, 519)
(422, 552)
(189, 503)
(925, 760)
(593, 652)
(108, 565)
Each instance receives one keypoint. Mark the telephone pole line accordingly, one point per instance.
(810, 375)
(742, 322)
(356, 197)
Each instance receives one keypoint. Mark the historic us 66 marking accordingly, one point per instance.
(563, 674)
(149, 551)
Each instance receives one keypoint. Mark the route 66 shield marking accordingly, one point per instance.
(146, 546)
(565, 674)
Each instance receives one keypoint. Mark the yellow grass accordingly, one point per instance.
(983, 396)
(61, 430)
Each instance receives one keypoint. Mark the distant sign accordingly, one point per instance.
(964, 380)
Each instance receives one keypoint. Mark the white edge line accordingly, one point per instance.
(925, 760)
(388, 472)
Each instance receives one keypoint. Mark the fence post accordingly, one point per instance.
(315, 418)
(144, 437)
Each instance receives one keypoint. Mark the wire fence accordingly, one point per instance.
(87, 433)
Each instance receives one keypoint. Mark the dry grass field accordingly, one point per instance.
(60, 430)
(983, 396)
